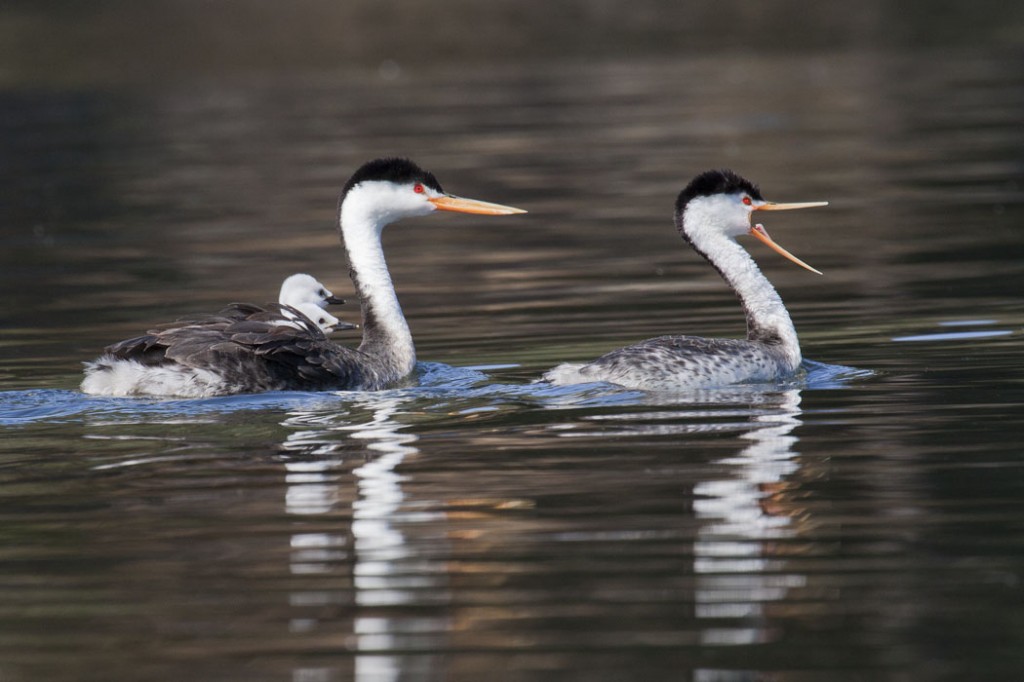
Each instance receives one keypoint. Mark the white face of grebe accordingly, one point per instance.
(723, 203)
(384, 202)
(385, 190)
(730, 214)
(302, 288)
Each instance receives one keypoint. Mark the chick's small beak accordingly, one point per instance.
(334, 300)
(762, 234)
(460, 205)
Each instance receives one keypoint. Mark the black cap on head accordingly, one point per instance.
(713, 182)
(400, 171)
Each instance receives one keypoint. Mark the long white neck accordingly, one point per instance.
(386, 334)
(768, 320)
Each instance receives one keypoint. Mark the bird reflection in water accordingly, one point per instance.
(374, 549)
(744, 509)
(743, 513)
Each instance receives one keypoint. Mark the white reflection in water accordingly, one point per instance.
(736, 572)
(312, 486)
(379, 549)
(316, 552)
(735, 575)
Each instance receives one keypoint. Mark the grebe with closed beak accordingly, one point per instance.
(221, 355)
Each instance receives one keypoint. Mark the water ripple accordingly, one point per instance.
(440, 387)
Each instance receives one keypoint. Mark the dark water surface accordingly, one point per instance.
(865, 522)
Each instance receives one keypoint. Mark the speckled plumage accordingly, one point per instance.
(710, 212)
(668, 363)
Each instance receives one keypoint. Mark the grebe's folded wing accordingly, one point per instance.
(256, 349)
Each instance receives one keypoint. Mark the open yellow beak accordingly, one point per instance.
(762, 234)
(460, 205)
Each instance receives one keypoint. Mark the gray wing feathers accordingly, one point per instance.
(684, 360)
(249, 348)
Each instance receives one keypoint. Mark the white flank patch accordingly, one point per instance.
(113, 377)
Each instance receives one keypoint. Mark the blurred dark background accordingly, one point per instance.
(119, 41)
(160, 157)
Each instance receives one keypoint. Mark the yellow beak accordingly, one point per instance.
(772, 206)
(762, 234)
(460, 205)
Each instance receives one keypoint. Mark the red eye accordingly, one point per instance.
(747, 201)
(418, 188)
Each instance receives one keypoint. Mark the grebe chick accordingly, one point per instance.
(311, 312)
(226, 354)
(714, 209)
(307, 295)
(303, 288)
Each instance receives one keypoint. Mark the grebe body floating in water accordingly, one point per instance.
(229, 354)
(714, 209)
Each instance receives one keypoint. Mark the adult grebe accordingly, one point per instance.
(713, 210)
(221, 355)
